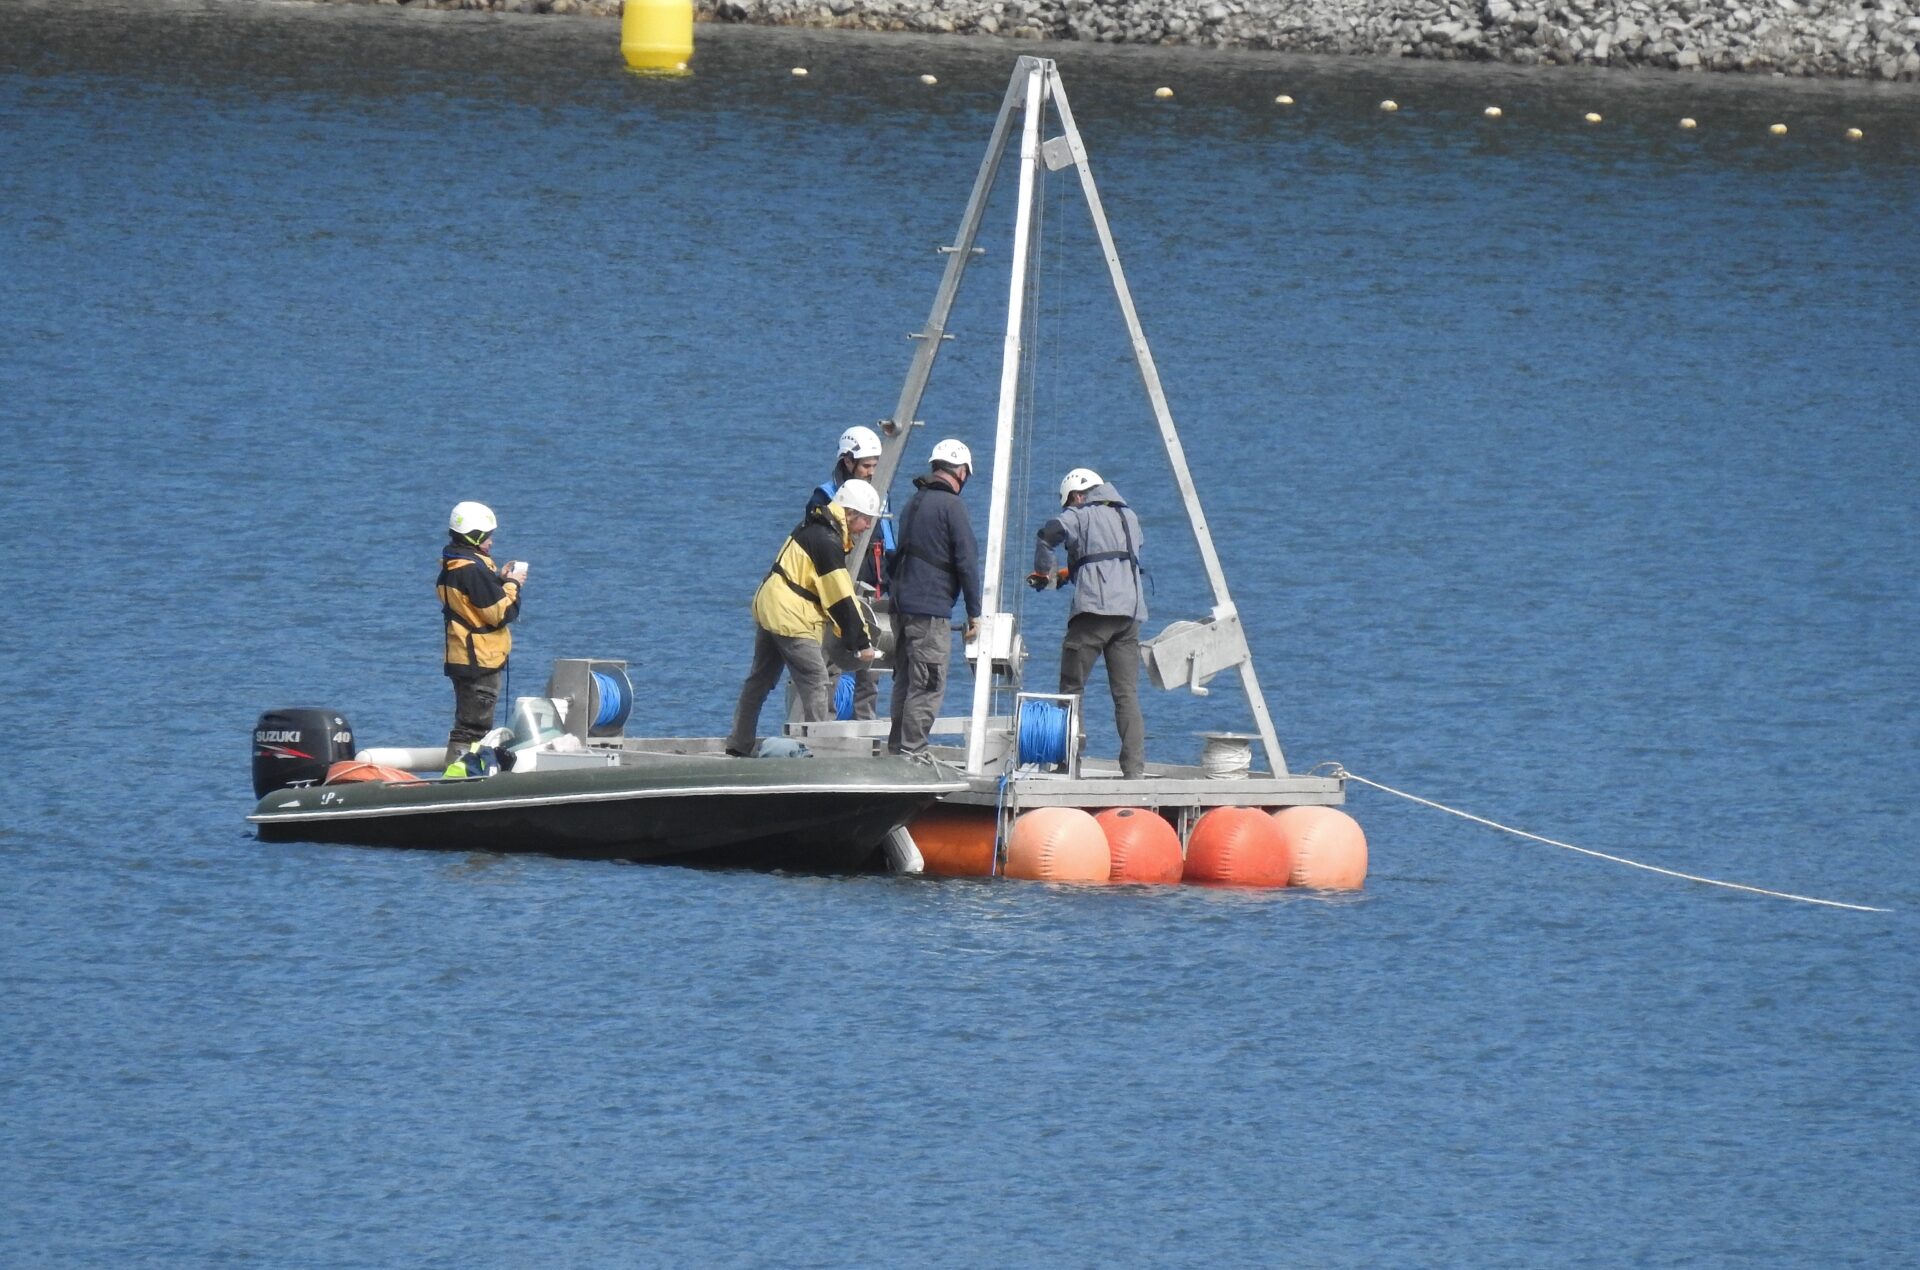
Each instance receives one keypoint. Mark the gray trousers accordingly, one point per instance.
(925, 644)
(1089, 637)
(800, 657)
(474, 701)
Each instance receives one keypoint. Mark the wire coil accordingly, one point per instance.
(615, 700)
(1043, 733)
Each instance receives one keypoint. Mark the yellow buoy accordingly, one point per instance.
(929, 79)
(1854, 134)
(1777, 129)
(1688, 124)
(1491, 112)
(1389, 105)
(1592, 117)
(1283, 100)
(799, 72)
(657, 35)
(1163, 91)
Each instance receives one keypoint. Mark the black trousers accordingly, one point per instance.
(1090, 638)
(474, 701)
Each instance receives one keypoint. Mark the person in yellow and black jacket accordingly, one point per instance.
(478, 601)
(807, 590)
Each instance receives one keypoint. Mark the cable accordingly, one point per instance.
(1340, 773)
(1043, 732)
(616, 699)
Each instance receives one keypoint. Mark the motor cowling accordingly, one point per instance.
(292, 746)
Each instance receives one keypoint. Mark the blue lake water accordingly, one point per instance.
(1563, 473)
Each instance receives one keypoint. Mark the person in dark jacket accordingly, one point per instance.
(936, 562)
(859, 455)
(478, 602)
(806, 592)
(1102, 537)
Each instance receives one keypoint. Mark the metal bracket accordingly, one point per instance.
(1187, 654)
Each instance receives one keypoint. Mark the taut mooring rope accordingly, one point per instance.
(1335, 770)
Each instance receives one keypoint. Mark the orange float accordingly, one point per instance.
(1058, 844)
(1237, 846)
(348, 771)
(1144, 846)
(955, 842)
(1329, 849)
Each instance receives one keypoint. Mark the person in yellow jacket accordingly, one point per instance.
(478, 601)
(807, 592)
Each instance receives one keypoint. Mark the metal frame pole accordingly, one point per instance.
(1040, 78)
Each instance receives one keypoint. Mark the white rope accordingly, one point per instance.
(1341, 773)
(1227, 758)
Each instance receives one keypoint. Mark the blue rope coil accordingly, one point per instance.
(1043, 732)
(616, 700)
(843, 697)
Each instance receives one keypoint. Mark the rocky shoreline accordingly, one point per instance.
(1872, 39)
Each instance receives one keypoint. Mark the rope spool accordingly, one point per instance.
(843, 697)
(614, 698)
(1227, 756)
(1043, 733)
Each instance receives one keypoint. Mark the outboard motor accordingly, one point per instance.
(291, 746)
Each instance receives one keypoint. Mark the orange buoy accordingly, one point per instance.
(1144, 846)
(955, 842)
(1237, 846)
(1328, 848)
(348, 771)
(1058, 844)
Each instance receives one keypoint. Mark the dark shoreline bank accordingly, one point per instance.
(1829, 39)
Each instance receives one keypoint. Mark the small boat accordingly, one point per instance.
(577, 787)
(804, 814)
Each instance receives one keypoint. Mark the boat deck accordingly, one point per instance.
(1179, 790)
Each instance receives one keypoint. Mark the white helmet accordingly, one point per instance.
(858, 496)
(952, 452)
(860, 443)
(1081, 478)
(469, 519)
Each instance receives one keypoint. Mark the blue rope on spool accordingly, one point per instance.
(843, 697)
(616, 700)
(1043, 732)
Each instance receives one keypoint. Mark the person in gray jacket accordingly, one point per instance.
(1102, 538)
(936, 562)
